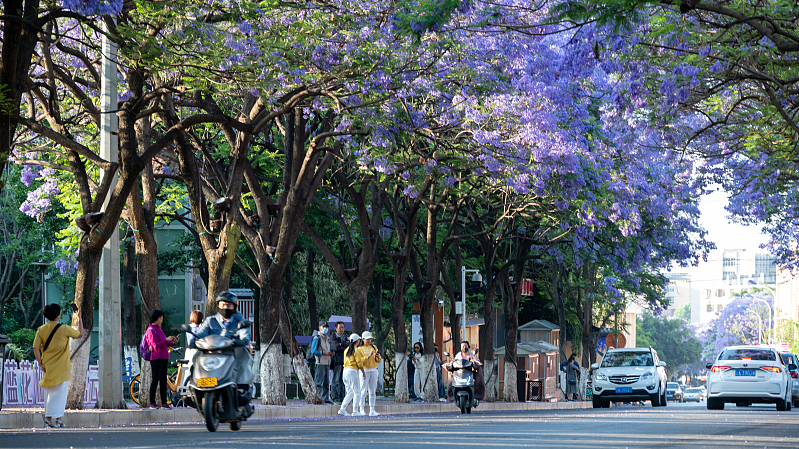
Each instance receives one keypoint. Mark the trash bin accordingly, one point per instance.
(521, 384)
(4, 340)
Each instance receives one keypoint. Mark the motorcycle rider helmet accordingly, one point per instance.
(228, 297)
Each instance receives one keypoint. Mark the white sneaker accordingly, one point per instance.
(442, 400)
(343, 413)
(374, 413)
(358, 413)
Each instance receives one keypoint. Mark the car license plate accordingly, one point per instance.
(624, 389)
(206, 382)
(744, 373)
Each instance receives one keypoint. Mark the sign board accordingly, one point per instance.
(416, 329)
(459, 308)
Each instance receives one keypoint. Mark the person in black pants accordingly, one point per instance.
(338, 343)
(159, 358)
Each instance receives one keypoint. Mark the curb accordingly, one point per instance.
(99, 418)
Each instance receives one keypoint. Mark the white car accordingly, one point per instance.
(748, 374)
(627, 375)
(692, 395)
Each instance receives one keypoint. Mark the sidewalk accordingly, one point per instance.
(27, 418)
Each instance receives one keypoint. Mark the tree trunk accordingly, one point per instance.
(310, 287)
(487, 345)
(129, 294)
(88, 266)
(359, 291)
(401, 395)
(509, 391)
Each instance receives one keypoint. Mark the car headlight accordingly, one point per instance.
(601, 376)
(210, 363)
(648, 375)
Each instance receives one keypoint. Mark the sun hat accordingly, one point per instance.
(354, 337)
(367, 335)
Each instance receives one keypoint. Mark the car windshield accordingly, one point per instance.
(747, 354)
(693, 390)
(627, 358)
(672, 385)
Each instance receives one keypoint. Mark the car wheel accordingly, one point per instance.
(782, 405)
(596, 403)
(788, 405)
(796, 404)
(714, 404)
(663, 401)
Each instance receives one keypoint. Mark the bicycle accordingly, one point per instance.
(174, 382)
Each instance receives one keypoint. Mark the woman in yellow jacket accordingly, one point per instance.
(349, 375)
(368, 358)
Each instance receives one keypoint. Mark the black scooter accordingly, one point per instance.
(212, 385)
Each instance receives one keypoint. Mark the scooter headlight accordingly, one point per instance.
(210, 363)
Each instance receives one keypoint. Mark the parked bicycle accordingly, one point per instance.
(177, 382)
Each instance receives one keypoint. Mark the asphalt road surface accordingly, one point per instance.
(677, 425)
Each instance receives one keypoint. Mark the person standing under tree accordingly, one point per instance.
(368, 358)
(351, 378)
(338, 343)
(159, 360)
(51, 349)
(418, 363)
(571, 368)
(320, 348)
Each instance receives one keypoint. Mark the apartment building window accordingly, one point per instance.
(707, 293)
(719, 307)
(720, 293)
(709, 307)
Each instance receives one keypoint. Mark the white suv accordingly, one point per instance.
(629, 374)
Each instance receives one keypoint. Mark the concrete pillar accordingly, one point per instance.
(110, 322)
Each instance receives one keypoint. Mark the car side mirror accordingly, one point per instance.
(595, 366)
(709, 365)
(792, 367)
(244, 324)
(661, 363)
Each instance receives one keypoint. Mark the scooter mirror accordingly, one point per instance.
(185, 328)
(446, 353)
(244, 324)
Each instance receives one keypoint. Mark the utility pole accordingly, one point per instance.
(110, 342)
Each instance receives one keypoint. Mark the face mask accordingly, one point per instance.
(325, 330)
(227, 313)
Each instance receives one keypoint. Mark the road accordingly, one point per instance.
(678, 425)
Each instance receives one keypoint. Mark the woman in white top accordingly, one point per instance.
(418, 362)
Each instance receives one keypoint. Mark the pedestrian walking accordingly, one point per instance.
(51, 349)
(320, 348)
(352, 381)
(368, 358)
(159, 345)
(571, 368)
(418, 364)
(338, 343)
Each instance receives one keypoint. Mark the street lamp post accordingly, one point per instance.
(759, 320)
(772, 311)
(476, 277)
(43, 266)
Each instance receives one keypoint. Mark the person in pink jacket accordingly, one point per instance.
(159, 346)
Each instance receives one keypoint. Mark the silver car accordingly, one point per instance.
(692, 395)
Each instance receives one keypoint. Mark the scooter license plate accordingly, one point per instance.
(624, 389)
(206, 382)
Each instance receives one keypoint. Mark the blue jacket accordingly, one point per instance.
(216, 325)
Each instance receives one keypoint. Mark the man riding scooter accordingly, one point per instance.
(226, 323)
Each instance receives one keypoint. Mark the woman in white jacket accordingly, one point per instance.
(418, 374)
